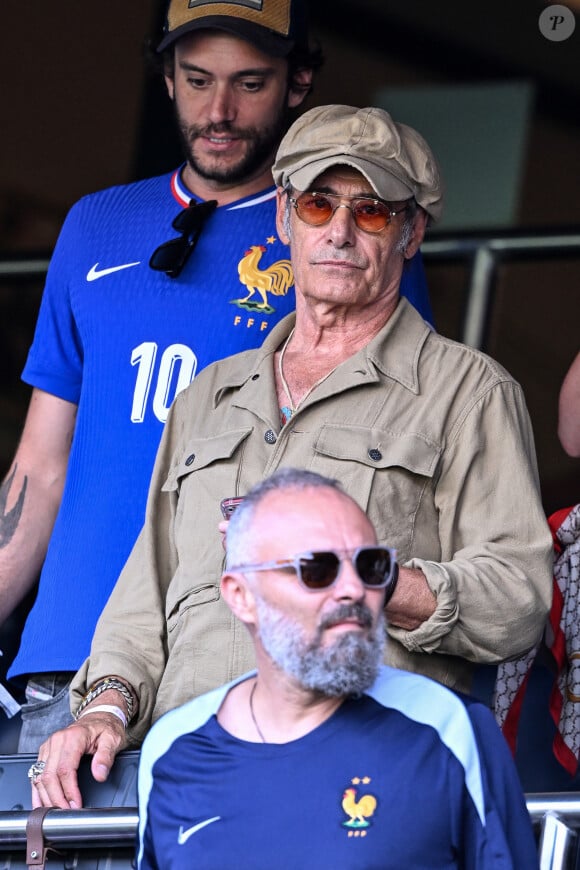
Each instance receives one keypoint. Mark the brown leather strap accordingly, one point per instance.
(35, 847)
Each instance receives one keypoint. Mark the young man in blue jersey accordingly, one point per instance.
(142, 293)
(322, 758)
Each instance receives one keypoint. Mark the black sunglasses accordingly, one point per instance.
(171, 256)
(376, 566)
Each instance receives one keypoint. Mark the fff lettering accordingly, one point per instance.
(250, 323)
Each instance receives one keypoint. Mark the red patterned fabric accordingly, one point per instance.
(562, 639)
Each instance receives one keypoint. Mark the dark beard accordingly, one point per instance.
(263, 143)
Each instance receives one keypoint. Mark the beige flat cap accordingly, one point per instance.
(393, 157)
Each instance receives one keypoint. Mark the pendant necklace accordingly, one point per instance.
(253, 715)
(287, 411)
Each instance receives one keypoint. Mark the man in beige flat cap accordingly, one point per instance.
(431, 438)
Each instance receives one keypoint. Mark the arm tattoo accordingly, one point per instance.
(9, 519)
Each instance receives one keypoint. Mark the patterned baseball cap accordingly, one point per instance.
(273, 26)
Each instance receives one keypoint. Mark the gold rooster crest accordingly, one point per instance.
(358, 811)
(275, 279)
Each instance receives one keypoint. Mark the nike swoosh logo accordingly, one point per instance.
(94, 272)
(184, 836)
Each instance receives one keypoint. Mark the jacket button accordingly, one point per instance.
(190, 459)
(270, 437)
(375, 454)
(255, 377)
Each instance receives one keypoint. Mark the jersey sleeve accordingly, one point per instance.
(145, 851)
(507, 818)
(55, 359)
(414, 287)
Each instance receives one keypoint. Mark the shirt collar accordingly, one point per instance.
(394, 351)
(237, 372)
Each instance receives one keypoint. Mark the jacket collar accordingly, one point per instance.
(237, 371)
(394, 352)
(396, 349)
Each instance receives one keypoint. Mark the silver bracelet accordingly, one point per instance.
(102, 686)
(104, 708)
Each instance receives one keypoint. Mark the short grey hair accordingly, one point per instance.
(286, 216)
(239, 534)
(407, 228)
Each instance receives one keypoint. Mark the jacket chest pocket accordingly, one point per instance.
(389, 474)
(206, 472)
(212, 463)
(177, 610)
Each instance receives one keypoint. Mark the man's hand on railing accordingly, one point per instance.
(101, 734)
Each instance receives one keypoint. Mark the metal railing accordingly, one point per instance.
(557, 817)
(483, 252)
(109, 827)
(24, 267)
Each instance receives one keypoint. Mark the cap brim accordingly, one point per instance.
(265, 40)
(385, 185)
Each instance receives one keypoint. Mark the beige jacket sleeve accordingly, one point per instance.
(488, 505)
(130, 639)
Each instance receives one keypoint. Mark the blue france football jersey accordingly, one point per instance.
(406, 776)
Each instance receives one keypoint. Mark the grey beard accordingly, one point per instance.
(347, 667)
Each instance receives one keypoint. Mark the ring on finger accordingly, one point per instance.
(35, 770)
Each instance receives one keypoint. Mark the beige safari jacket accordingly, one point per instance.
(431, 438)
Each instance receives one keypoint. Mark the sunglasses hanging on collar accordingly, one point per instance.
(171, 256)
